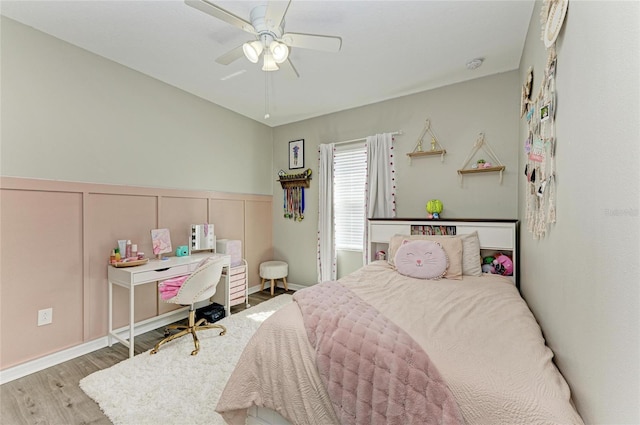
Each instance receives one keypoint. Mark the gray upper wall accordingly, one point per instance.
(68, 114)
(458, 113)
(582, 280)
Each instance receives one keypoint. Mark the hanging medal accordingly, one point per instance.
(301, 217)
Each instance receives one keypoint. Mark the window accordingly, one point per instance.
(350, 176)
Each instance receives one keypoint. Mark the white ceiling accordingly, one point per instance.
(389, 48)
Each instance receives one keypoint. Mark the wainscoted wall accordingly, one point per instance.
(56, 238)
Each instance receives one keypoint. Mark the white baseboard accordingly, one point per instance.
(24, 369)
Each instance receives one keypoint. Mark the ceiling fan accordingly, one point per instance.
(271, 42)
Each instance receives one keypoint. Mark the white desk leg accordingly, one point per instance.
(227, 299)
(132, 291)
(110, 341)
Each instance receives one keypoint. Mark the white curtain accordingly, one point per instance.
(326, 238)
(380, 201)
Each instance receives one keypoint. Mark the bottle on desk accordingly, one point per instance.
(112, 257)
(118, 256)
(128, 249)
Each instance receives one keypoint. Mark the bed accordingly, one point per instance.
(476, 330)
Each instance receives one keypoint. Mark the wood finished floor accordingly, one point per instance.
(53, 396)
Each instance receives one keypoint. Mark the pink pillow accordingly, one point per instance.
(169, 288)
(421, 259)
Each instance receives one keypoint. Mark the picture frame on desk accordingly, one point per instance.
(161, 242)
(296, 154)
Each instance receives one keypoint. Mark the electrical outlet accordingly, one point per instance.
(45, 316)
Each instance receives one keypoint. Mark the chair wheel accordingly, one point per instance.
(194, 352)
(223, 332)
(154, 351)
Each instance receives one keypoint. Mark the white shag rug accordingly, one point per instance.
(172, 386)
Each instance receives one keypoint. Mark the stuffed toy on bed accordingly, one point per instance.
(503, 265)
(500, 264)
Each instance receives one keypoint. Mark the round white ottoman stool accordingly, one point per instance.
(273, 270)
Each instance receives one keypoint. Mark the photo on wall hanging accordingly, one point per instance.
(296, 154)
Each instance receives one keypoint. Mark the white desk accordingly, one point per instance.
(153, 271)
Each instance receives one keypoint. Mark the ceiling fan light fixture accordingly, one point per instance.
(279, 51)
(269, 64)
(252, 50)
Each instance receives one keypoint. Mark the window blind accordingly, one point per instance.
(350, 175)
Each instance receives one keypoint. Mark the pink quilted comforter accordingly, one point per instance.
(374, 372)
(478, 331)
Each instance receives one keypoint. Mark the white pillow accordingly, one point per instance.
(471, 258)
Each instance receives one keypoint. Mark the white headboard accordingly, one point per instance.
(495, 235)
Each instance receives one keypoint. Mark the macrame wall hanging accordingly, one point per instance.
(481, 165)
(540, 113)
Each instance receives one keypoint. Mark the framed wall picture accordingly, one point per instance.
(296, 154)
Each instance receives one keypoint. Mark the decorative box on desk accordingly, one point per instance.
(232, 247)
(239, 285)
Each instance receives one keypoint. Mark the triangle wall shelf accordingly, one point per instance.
(479, 144)
(426, 153)
(436, 147)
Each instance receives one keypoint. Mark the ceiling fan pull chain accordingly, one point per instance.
(266, 95)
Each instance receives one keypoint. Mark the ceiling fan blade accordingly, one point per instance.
(231, 56)
(325, 43)
(290, 70)
(217, 12)
(275, 12)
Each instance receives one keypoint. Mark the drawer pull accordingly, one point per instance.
(162, 270)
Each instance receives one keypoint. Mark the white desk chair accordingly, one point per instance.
(199, 286)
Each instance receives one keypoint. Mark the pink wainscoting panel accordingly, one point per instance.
(42, 267)
(109, 218)
(258, 237)
(227, 215)
(177, 215)
(56, 238)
